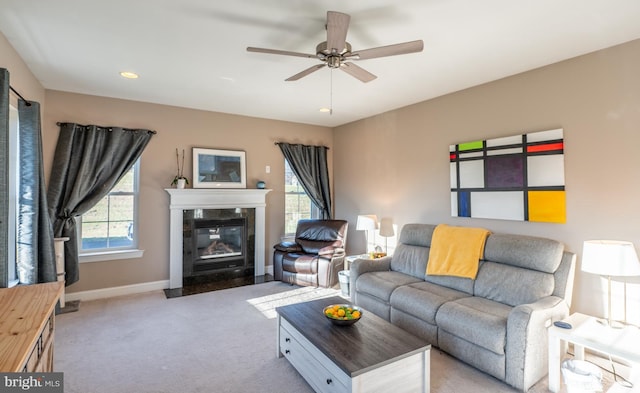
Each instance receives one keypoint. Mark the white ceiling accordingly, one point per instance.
(192, 53)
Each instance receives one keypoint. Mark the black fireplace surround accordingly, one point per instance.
(218, 241)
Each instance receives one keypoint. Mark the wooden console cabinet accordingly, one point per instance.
(27, 322)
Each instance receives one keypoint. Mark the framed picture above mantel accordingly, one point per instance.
(215, 168)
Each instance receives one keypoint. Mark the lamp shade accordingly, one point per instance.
(610, 258)
(368, 222)
(386, 227)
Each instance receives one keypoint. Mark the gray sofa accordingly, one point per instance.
(497, 323)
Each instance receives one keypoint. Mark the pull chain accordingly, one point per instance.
(331, 94)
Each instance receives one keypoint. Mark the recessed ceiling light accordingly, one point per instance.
(129, 75)
(325, 110)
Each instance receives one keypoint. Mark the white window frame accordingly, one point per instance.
(115, 253)
(315, 212)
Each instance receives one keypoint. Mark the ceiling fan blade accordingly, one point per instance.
(357, 72)
(280, 52)
(337, 26)
(389, 50)
(305, 72)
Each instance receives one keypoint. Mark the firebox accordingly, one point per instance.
(217, 245)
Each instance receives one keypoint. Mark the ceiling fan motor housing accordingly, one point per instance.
(332, 57)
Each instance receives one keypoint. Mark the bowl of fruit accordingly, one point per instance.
(342, 314)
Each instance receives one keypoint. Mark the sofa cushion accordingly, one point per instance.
(411, 260)
(381, 284)
(417, 234)
(512, 285)
(423, 299)
(476, 320)
(457, 283)
(412, 252)
(524, 251)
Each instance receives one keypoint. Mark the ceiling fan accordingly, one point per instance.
(336, 52)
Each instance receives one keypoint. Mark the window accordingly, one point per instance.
(297, 204)
(111, 225)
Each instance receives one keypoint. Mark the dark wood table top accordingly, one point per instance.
(370, 343)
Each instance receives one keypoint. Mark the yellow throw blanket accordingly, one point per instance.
(456, 251)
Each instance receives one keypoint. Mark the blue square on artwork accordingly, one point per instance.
(464, 204)
(505, 171)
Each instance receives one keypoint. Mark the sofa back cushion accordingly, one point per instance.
(411, 260)
(313, 235)
(512, 285)
(412, 252)
(528, 252)
(518, 269)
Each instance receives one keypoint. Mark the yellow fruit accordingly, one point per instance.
(341, 312)
(356, 314)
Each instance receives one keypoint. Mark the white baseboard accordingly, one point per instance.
(126, 290)
(116, 291)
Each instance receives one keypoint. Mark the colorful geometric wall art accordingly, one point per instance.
(513, 178)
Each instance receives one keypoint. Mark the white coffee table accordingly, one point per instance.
(588, 332)
(371, 356)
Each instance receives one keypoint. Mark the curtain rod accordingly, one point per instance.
(299, 144)
(19, 95)
(110, 128)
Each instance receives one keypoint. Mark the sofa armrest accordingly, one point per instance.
(361, 266)
(527, 340)
(288, 247)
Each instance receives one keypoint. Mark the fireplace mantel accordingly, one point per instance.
(213, 198)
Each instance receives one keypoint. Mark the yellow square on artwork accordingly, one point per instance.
(547, 206)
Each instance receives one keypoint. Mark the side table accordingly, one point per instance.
(588, 332)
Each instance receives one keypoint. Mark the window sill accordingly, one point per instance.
(110, 255)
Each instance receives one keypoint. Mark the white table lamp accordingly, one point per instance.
(386, 231)
(610, 258)
(367, 222)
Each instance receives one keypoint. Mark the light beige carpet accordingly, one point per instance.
(222, 341)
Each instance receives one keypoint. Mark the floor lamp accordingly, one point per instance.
(367, 222)
(610, 258)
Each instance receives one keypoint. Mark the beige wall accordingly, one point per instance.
(183, 129)
(396, 164)
(20, 77)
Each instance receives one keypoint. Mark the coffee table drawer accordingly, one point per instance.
(311, 364)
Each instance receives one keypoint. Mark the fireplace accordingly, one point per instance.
(217, 245)
(203, 205)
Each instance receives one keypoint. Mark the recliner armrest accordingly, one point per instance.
(288, 247)
(331, 251)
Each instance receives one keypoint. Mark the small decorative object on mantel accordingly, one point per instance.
(180, 181)
(260, 184)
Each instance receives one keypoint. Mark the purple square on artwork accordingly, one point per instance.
(505, 171)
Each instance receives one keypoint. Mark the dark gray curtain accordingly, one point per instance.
(309, 163)
(4, 178)
(88, 162)
(35, 254)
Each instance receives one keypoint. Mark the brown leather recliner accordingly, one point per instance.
(315, 257)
